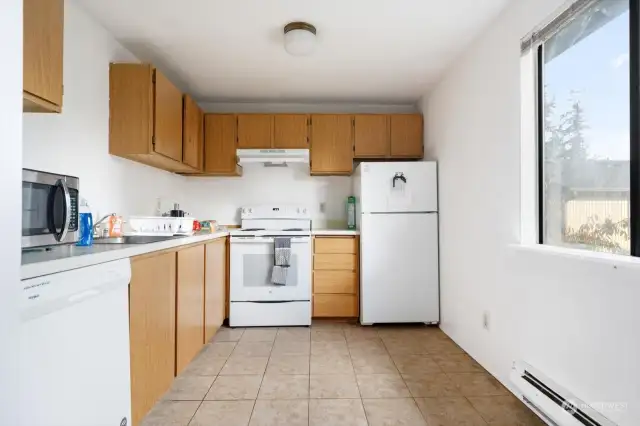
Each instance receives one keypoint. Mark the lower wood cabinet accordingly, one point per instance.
(227, 284)
(335, 261)
(335, 245)
(189, 305)
(335, 305)
(335, 282)
(152, 322)
(214, 287)
(176, 304)
(336, 278)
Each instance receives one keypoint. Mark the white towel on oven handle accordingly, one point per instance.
(281, 259)
(279, 275)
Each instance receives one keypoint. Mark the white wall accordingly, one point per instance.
(76, 142)
(11, 176)
(574, 318)
(219, 198)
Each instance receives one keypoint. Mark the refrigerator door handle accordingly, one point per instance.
(399, 176)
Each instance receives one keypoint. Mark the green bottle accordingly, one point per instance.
(351, 212)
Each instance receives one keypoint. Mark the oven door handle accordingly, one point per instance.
(60, 236)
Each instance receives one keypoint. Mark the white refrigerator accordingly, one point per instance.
(397, 216)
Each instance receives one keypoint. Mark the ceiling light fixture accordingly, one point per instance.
(299, 38)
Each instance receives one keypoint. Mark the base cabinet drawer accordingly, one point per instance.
(335, 282)
(335, 245)
(341, 262)
(335, 305)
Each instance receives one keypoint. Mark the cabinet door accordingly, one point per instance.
(371, 136)
(227, 284)
(168, 118)
(192, 133)
(189, 305)
(214, 287)
(406, 136)
(255, 131)
(291, 131)
(331, 144)
(43, 23)
(335, 305)
(220, 144)
(152, 322)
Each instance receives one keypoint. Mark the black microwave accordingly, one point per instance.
(49, 208)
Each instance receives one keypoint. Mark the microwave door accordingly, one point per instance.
(35, 200)
(59, 210)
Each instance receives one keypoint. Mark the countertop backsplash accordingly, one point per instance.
(221, 198)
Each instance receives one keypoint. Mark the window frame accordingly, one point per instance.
(634, 124)
(537, 43)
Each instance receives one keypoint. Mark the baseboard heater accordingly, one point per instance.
(551, 401)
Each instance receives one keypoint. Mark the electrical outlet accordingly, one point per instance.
(485, 320)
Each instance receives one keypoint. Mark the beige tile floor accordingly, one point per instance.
(336, 374)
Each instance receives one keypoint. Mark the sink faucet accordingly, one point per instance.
(96, 226)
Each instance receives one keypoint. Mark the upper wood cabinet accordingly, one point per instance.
(43, 28)
(406, 136)
(167, 139)
(145, 117)
(291, 131)
(152, 322)
(214, 287)
(255, 131)
(371, 136)
(220, 145)
(189, 305)
(192, 134)
(331, 144)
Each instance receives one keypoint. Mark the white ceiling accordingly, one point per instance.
(373, 51)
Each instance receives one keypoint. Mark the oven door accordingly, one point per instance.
(49, 209)
(251, 266)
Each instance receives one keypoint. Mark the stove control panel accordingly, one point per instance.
(275, 212)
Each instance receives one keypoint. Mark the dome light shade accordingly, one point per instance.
(299, 38)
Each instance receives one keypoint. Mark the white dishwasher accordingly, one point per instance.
(74, 347)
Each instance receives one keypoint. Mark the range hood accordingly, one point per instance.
(273, 157)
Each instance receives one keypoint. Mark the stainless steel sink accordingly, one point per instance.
(136, 239)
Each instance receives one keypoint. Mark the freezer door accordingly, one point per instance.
(398, 187)
(399, 268)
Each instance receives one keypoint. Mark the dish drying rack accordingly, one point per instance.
(155, 225)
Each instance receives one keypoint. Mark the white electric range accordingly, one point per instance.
(254, 300)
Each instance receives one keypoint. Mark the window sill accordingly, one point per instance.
(613, 260)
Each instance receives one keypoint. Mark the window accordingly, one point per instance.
(585, 136)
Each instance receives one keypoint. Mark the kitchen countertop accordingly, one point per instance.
(66, 257)
(335, 232)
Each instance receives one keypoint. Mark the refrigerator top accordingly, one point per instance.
(397, 187)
